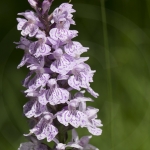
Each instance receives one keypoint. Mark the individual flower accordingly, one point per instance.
(33, 108)
(54, 95)
(33, 3)
(46, 6)
(40, 48)
(71, 115)
(24, 44)
(37, 65)
(45, 128)
(40, 78)
(82, 143)
(62, 16)
(33, 145)
(64, 62)
(93, 123)
(37, 81)
(61, 146)
(75, 49)
(30, 25)
(62, 35)
(81, 78)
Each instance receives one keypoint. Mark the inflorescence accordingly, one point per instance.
(57, 71)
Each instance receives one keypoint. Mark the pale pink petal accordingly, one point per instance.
(42, 98)
(93, 93)
(74, 49)
(95, 131)
(21, 23)
(63, 117)
(78, 119)
(75, 145)
(74, 82)
(33, 30)
(58, 96)
(63, 65)
(51, 132)
(27, 108)
(39, 81)
(42, 50)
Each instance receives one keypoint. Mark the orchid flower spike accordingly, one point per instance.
(56, 70)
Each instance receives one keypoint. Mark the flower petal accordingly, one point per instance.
(63, 117)
(74, 82)
(42, 98)
(95, 131)
(36, 82)
(27, 108)
(42, 50)
(58, 96)
(78, 119)
(74, 49)
(21, 23)
(63, 65)
(33, 108)
(51, 132)
(93, 93)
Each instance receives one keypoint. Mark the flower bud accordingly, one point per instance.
(33, 3)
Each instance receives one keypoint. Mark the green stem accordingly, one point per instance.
(107, 59)
(62, 135)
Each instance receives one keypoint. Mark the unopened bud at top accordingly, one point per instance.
(46, 5)
(33, 3)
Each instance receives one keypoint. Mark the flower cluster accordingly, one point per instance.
(56, 71)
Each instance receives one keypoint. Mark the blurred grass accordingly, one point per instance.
(128, 27)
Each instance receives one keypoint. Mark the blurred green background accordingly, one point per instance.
(124, 98)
